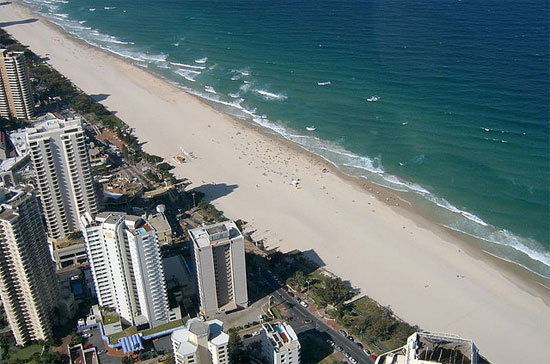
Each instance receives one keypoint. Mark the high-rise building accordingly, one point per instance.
(15, 88)
(427, 347)
(28, 285)
(221, 267)
(201, 342)
(280, 344)
(124, 255)
(63, 173)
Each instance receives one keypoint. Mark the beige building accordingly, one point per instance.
(201, 342)
(428, 348)
(15, 88)
(221, 267)
(64, 177)
(280, 343)
(28, 285)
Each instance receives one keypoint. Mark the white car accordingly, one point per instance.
(352, 360)
(304, 304)
(86, 335)
(255, 333)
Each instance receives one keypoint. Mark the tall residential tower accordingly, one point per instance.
(221, 267)
(15, 88)
(28, 286)
(63, 172)
(124, 254)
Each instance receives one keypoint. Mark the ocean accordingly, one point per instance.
(445, 101)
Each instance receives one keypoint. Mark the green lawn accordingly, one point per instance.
(109, 317)
(167, 326)
(24, 353)
(113, 339)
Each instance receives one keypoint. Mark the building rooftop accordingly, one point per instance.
(426, 347)
(214, 234)
(10, 198)
(195, 326)
(281, 335)
(51, 123)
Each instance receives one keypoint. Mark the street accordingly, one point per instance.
(302, 320)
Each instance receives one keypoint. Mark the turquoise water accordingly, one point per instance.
(459, 112)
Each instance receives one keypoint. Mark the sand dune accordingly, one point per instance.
(427, 275)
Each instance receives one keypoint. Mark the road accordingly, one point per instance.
(302, 320)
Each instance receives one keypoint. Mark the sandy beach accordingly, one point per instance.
(359, 232)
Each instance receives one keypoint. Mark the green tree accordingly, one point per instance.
(237, 354)
(298, 279)
(334, 291)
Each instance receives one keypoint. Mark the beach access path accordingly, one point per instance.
(425, 274)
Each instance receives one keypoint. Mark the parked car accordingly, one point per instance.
(343, 333)
(304, 304)
(308, 321)
(86, 335)
(373, 357)
(101, 352)
(367, 351)
(339, 348)
(255, 333)
(330, 342)
(352, 360)
(298, 299)
(291, 294)
(350, 338)
(359, 345)
(285, 287)
(346, 354)
(246, 336)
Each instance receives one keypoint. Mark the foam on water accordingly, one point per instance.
(270, 95)
(235, 103)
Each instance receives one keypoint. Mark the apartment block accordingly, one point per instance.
(433, 347)
(15, 88)
(280, 343)
(126, 264)
(221, 267)
(64, 177)
(201, 342)
(28, 285)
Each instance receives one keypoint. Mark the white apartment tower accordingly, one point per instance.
(15, 88)
(280, 344)
(28, 284)
(124, 255)
(64, 177)
(221, 267)
(201, 342)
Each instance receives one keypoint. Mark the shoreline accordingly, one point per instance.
(258, 133)
(522, 274)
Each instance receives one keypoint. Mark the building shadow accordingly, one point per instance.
(99, 97)
(314, 257)
(213, 191)
(18, 22)
(313, 346)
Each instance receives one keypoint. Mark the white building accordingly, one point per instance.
(201, 342)
(280, 344)
(63, 173)
(124, 255)
(221, 267)
(15, 88)
(28, 285)
(426, 347)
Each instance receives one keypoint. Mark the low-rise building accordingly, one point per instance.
(201, 342)
(280, 343)
(426, 347)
